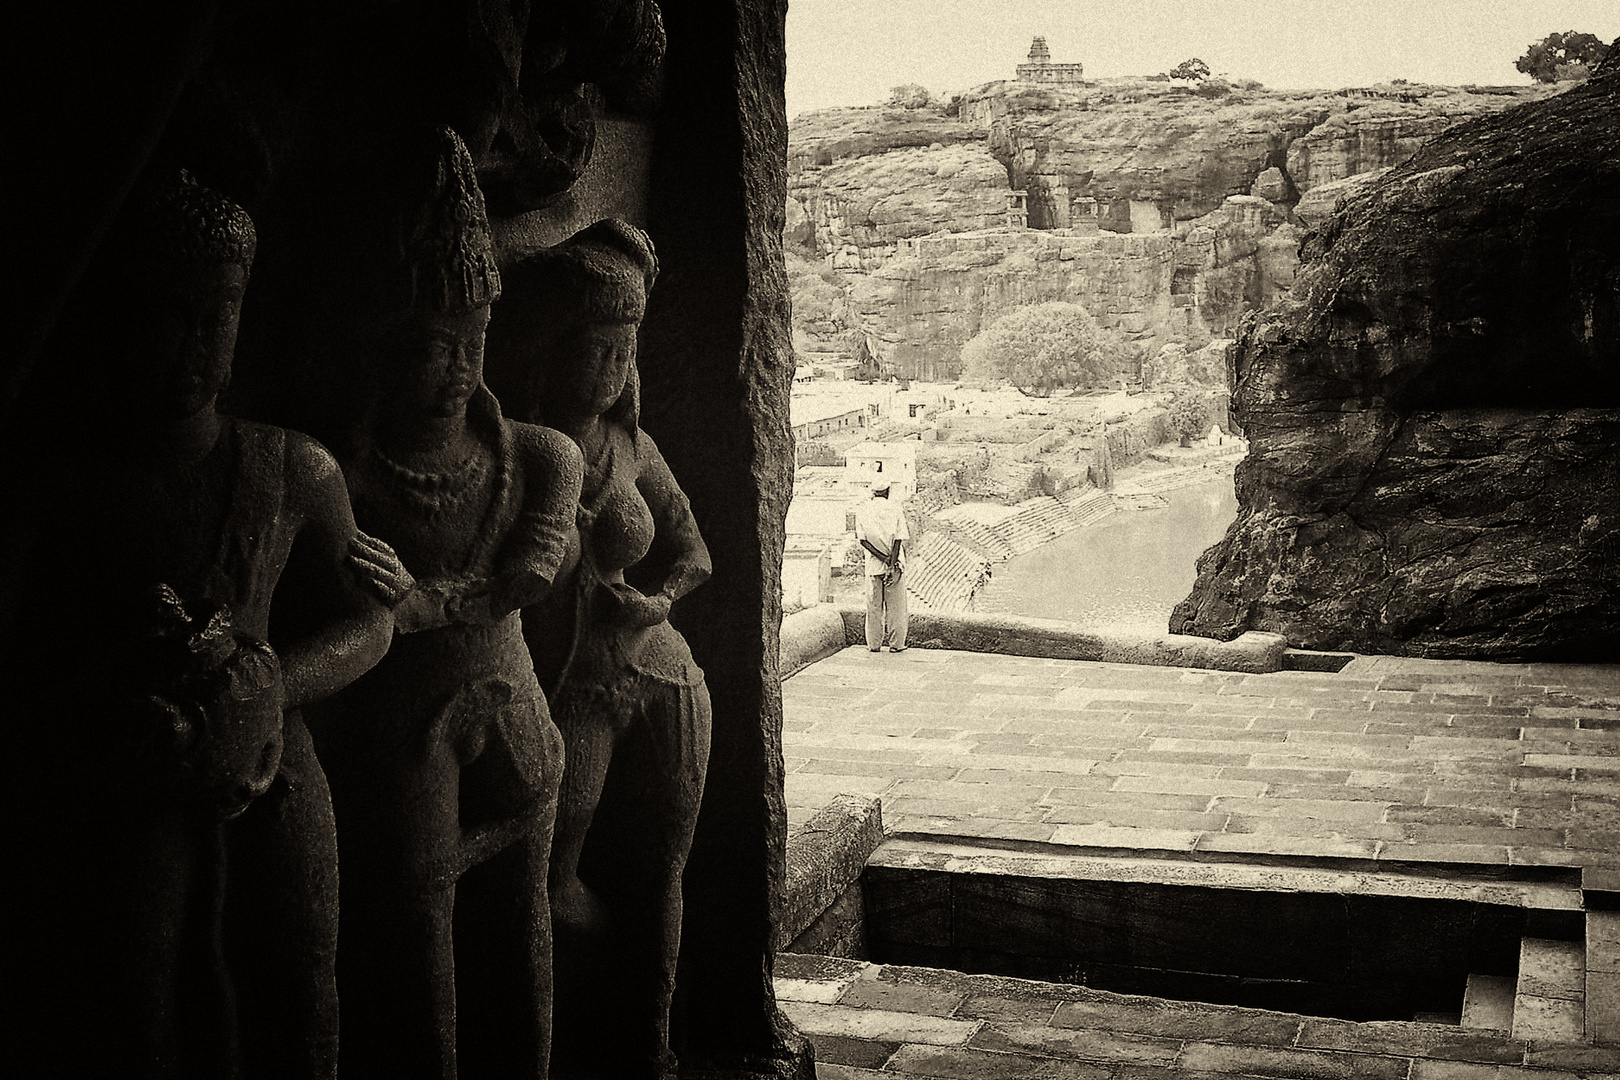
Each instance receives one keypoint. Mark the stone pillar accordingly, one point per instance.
(717, 369)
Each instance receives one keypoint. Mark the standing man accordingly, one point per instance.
(880, 526)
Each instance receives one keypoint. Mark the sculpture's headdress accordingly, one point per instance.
(179, 221)
(600, 274)
(445, 251)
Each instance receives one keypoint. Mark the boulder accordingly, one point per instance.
(1270, 185)
(1317, 205)
(1434, 411)
(1175, 365)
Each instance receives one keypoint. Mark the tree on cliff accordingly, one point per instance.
(1042, 348)
(820, 312)
(867, 368)
(909, 96)
(1556, 57)
(1189, 415)
(1190, 69)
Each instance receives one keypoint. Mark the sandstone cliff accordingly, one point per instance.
(1166, 213)
(1434, 412)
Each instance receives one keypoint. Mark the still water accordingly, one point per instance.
(1128, 570)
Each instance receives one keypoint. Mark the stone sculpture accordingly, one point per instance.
(444, 760)
(631, 704)
(202, 893)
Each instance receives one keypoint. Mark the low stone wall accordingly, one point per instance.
(822, 907)
(819, 632)
(810, 635)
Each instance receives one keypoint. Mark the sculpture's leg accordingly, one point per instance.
(164, 856)
(646, 821)
(396, 963)
(583, 1031)
(587, 736)
(281, 921)
(504, 950)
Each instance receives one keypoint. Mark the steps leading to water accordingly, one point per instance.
(1087, 506)
(954, 556)
(943, 575)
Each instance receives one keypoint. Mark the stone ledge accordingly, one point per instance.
(825, 859)
(1253, 652)
(936, 1023)
(812, 634)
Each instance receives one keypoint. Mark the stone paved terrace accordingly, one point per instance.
(1391, 760)
(1400, 767)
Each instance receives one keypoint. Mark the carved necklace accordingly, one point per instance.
(437, 492)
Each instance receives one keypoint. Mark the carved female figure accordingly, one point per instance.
(197, 826)
(444, 760)
(630, 702)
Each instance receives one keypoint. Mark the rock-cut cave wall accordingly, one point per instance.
(1434, 412)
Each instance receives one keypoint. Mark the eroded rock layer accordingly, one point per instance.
(1166, 212)
(1434, 412)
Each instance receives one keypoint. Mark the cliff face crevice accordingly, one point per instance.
(1220, 188)
(1434, 410)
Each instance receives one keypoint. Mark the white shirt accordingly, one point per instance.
(880, 522)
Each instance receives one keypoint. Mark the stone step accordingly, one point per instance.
(1488, 1002)
(869, 1020)
(1603, 977)
(1140, 500)
(944, 574)
(1549, 1001)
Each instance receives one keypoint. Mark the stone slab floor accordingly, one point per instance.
(1390, 760)
(1392, 763)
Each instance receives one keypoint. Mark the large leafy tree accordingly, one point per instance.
(1569, 55)
(1042, 348)
(1190, 69)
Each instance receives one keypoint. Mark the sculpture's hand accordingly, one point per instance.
(631, 608)
(431, 605)
(379, 569)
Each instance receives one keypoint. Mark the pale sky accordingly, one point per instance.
(850, 52)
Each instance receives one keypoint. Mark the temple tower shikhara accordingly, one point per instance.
(1039, 67)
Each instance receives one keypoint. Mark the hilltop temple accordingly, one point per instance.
(1039, 67)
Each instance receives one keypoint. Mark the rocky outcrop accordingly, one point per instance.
(1133, 155)
(921, 209)
(1434, 412)
(1317, 205)
(862, 206)
(937, 292)
(1240, 256)
(1384, 127)
(1176, 366)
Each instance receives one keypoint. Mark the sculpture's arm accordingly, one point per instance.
(541, 537)
(544, 535)
(677, 544)
(678, 560)
(340, 630)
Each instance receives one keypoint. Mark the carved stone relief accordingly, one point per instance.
(632, 705)
(444, 759)
(202, 915)
(201, 583)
